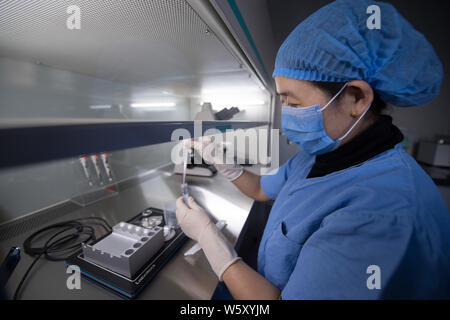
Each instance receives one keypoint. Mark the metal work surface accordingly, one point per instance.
(181, 278)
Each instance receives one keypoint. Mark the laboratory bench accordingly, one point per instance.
(182, 277)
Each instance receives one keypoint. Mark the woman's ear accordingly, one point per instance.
(361, 95)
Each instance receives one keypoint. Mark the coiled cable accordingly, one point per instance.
(61, 241)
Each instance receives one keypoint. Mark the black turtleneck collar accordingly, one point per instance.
(379, 137)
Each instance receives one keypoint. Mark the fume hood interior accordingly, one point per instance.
(146, 66)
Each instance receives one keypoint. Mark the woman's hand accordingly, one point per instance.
(211, 153)
(193, 219)
(242, 281)
(197, 225)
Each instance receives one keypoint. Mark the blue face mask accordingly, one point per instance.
(305, 127)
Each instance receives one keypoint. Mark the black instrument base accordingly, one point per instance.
(120, 285)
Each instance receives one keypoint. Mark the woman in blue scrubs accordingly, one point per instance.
(354, 217)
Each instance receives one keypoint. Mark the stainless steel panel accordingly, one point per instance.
(182, 278)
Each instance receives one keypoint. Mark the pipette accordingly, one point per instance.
(184, 187)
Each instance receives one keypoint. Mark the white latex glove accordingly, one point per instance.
(210, 153)
(197, 225)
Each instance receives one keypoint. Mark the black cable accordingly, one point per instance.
(24, 277)
(63, 240)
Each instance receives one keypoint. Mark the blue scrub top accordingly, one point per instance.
(378, 230)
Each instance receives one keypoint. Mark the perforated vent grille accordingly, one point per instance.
(34, 221)
(126, 40)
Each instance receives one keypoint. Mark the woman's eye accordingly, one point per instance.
(285, 101)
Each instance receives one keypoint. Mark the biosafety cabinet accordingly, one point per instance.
(81, 78)
(92, 91)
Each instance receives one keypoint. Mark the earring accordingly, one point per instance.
(354, 114)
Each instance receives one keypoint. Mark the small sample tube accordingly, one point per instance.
(185, 193)
(83, 161)
(97, 168)
(104, 157)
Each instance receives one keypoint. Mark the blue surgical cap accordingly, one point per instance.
(335, 45)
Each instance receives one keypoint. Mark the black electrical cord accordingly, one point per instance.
(63, 240)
